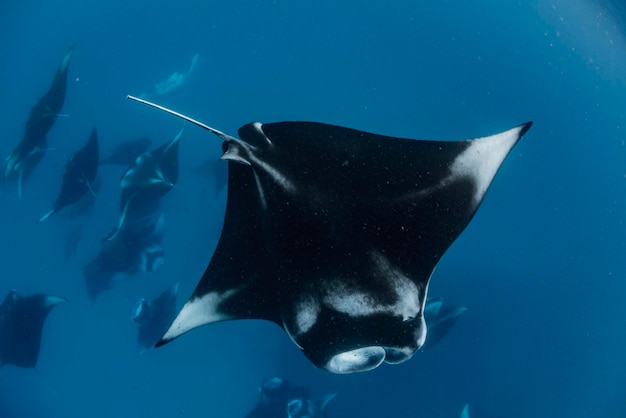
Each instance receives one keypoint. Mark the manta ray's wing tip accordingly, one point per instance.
(162, 342)
(524, 127)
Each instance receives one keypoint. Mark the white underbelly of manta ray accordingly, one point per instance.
(333, 234)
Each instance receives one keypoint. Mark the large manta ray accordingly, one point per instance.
(30, 150)
(333, 233)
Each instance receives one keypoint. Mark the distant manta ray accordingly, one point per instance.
(174, 81)
(30, 150)
(333, 234)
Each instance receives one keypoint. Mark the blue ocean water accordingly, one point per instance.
(540, 266)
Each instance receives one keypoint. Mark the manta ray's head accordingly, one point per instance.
(345, 327)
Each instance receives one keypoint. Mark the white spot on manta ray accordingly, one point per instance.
(307, 311)
(347, 299)
(351, 301)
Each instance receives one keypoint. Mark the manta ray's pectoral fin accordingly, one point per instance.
(198, 311)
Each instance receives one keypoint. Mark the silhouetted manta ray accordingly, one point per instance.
(79, 174)
(149, 178)
(30, 150)
(134, 246)
(333, 233)
(280, 398)
(153, 317)
(153, 173)
(439, 319)
(21, 325)
(176, 80)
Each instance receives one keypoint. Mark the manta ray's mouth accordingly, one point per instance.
(359, 360)
(365, 358)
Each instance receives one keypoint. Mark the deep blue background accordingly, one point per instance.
(541, 266)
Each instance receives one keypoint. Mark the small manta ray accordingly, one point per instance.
(439, 320)
(153, 317)
(134, 246)
(280, 398)
(21, 325)
(333, 234)
(30, 150)
(79, 174)
(149, 178)
(126, 153)
(176, 80)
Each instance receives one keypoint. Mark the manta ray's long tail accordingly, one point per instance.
(221, 134)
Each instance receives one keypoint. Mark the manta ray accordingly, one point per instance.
(174, 82)
(21, 325)
(280, 398)
(79, 174)
(30, 150)
(153, 317)
(333, 233)
(149, 178)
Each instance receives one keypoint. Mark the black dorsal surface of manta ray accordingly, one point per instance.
(79, 174)
(153, 317)
(85, 204)
(21, 326)
(30, 150)
(127, 152)
(216, 171)
(333, 233)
